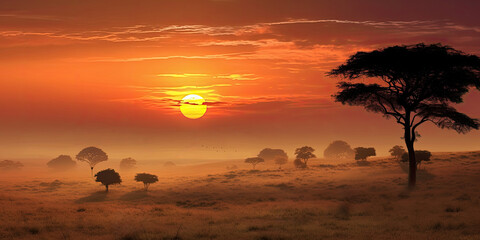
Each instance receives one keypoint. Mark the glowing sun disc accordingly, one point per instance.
(192, 106)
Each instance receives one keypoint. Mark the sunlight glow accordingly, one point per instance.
(192, 106)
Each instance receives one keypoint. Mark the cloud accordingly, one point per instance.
(183, 75)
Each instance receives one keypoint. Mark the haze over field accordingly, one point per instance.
(111, 74)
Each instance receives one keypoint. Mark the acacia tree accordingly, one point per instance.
(413, 84)
(397, 151)
(108, 177)
(254, 161)
(146, 178)
(92, 156)
(280, 161)
(304, 154)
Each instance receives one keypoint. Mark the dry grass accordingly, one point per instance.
(327, 201)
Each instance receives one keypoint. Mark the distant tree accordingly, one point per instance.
(414, 84)
(420, 156)
(362, 153)
(304, 154)
(397, 151)
(10, 165)
(298, 163)
(108, 177)
(280, 161)
(62, 162)
(169, 164)
(92, 156)
(128, 163)
(269, 154)
(339, 150)
(254, 161)
(146, 178)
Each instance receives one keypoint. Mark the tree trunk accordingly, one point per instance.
(412, 173)
(409, 136)
(91, 169)
(106, 188)
(253, 166)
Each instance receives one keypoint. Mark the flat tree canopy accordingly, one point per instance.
(254, 161)
(413, 84)
(92, 156)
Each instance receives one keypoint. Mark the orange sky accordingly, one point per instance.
(110, 74)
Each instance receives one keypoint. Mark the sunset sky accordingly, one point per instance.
(111, 73)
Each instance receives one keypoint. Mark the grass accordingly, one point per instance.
(325, 201)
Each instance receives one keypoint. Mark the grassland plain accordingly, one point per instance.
(329, 200)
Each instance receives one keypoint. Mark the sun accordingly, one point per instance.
(192, 106)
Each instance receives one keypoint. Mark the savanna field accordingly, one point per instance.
(329, 200)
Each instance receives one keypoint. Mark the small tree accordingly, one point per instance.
(146, 178)
(397, 151)
(254, 161)
(10, 165)
(62, 162)
(92, 156)
(339, 150)
(420, 156)
(271, 154)
(361, 153)
(280, 161)
(108, 177)
(298, 163)
(304, 154)
(128, 163)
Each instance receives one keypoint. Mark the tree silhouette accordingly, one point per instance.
(128, 163)
(280, 161)
(108, 177)
(304, 154)
(397, 151)
(254, 161)
(413, 84)
(339, 150)
(271, 154)
(420, 156)
(10, 165)
(362, 153)
(62, 162)
(146, 178)
(92, 156)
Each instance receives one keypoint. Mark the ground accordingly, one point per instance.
(329, 200)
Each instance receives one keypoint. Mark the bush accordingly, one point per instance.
(420, 156)
(62, 162)
(339, 150)
(362, 153)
